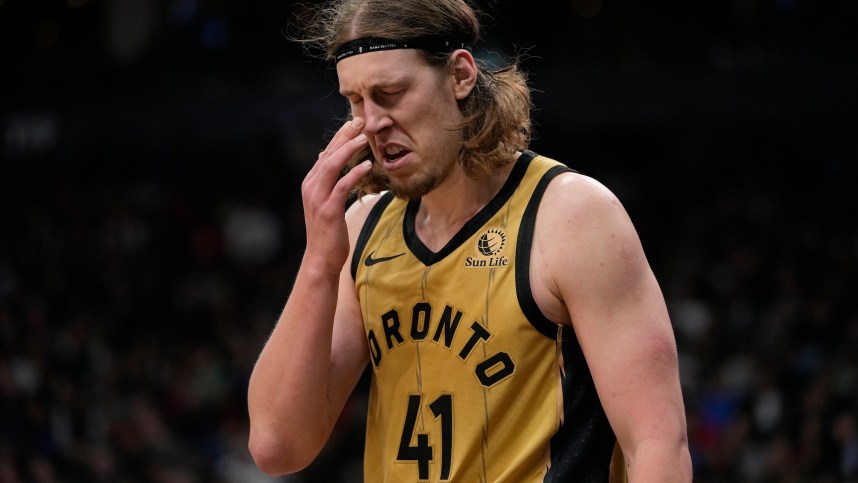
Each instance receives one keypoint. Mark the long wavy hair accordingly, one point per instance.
(496, 113)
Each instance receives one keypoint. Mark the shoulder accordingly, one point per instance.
(356, 217)
(574, 202)
(359, 211)
(584, 234)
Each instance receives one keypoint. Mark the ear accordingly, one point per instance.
(464, 70)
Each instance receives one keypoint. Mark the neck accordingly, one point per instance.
(456, 200)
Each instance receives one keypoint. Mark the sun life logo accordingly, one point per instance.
(491, 242)
(489, 246)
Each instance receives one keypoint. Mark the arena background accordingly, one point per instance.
(151, 224)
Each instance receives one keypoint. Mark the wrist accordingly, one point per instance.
(319, 268)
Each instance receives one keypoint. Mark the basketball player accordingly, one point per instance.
(514, 329)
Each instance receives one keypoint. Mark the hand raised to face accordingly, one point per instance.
(325, 193)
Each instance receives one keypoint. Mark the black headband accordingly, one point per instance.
(374, 44)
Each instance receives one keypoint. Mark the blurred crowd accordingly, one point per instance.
(151, 226)
(135, 295)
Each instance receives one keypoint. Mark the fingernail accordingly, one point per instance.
(360, 137)
(357, 122)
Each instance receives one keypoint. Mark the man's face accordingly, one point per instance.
(410, 109)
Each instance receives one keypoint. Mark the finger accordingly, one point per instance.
(348, 182)
(323, 178)
(347, 131)
(315, 168)
(332, 166)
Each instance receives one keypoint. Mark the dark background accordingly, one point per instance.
(150, 220)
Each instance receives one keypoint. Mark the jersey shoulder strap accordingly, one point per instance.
(368, 227)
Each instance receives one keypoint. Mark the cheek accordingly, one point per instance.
(437, 117)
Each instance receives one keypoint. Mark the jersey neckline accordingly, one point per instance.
(470, 228)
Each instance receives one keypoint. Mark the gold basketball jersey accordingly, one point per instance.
(471, 382)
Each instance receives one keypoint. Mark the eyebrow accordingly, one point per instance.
(378, 86)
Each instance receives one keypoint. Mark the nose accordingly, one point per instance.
(377, 118)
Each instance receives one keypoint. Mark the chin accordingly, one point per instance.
(421, 182)
(413, 189)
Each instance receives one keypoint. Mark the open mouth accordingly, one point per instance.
(394, 153)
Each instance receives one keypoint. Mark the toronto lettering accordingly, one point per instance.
(423, 323)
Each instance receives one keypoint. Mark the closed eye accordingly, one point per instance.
(387, 97)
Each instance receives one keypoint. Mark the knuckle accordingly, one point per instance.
(342, 188)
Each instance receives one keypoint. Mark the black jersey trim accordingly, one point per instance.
(582, 448)
(368, 228)
(427, 256)
(522, 257)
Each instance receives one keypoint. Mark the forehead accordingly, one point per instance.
(373, 69)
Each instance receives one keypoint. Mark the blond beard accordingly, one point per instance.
(420, 183)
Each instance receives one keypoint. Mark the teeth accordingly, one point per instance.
(392, 151)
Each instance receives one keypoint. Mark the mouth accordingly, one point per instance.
(393, 156)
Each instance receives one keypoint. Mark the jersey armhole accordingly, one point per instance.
(367, 229)
(523, 288)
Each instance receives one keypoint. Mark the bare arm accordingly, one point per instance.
(618, 312)
(317, 351)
